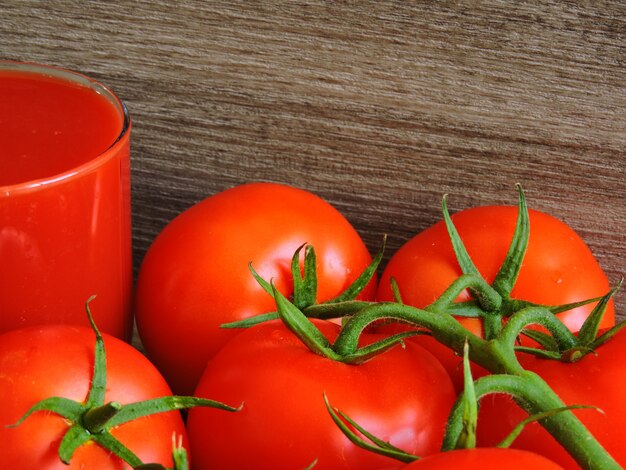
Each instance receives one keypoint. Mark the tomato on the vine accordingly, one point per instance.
(598, 380)
(402, 395)
(558, 267)
(195, 276)
(37, 363)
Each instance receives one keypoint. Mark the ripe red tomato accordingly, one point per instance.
(195, 276)
(484, 459)
(42, 362)
(402, 396)
(558, 267)
(597, 380)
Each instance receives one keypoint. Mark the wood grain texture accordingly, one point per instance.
(379, 107)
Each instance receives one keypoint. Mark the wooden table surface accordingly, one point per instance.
(380, 107)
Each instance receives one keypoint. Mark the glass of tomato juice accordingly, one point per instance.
(65, 226)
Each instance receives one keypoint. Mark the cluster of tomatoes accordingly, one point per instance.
(196, 277)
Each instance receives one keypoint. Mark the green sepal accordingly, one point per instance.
(370, 351)
(517, 430)
(487, 297)
(510, 268)
(373, 443)
(565, 307)
(140, 409)
(302, 327)
(363, 280)
(589, 329)
(541, 353)
(111, 443)
(467, 309)
(304, 287)
(75, 437)
(68, 409)
(545, 340)
(267, 287)
(510, 306)
(395, 289)
(251, 321)
(462, 256)
(606, 336)
(467, 438)
(323, 311)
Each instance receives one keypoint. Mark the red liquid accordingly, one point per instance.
(49, 126)
(64, 204)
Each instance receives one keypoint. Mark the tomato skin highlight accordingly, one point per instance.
(404, 396)
(484, 459)
(42, 362)
(558, 268)
(598, 379)
(195, 276)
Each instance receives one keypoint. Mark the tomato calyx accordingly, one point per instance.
(493, 303)
(305, 290)
(588, 339)
(299, 324)
(296, 312)
(93, 419)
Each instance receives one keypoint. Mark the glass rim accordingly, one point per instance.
(95, 161)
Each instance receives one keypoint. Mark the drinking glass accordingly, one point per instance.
(65, 224)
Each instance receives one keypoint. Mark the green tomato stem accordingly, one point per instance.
(534, 395)
(444, 328)
(487, 297)
(564, 338)
(497, 356)
(96, 419)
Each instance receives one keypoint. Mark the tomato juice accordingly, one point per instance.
(65, 230)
